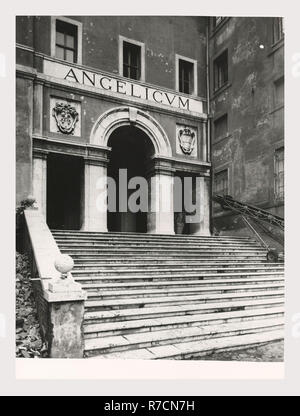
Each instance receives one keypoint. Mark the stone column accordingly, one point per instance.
(95, 195)
(39, 179)
(200, 223)
(160, 219)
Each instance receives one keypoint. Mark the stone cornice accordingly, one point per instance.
(91, 153)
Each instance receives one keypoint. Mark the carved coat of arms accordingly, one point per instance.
(66, 117)
(187, 140)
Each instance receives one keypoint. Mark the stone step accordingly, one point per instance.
(196, 349)
(145, 236)
(144, 293)
(118, 315)
(167, 269)
(114, 286)
(166, 250)
(177, 300)
(167, 244)
(114, 260)
(146, 325)
(126, 342)
(175, 264)
(159, 255)
(94, 275)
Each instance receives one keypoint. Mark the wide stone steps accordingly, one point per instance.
(118, 315)
(156, 324)
(195, 349)
(151, 295)
(126, 342)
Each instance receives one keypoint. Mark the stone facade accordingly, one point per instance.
(73, 108)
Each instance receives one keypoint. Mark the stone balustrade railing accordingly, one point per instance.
(59, 299)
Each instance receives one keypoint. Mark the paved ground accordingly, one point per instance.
(273, 352)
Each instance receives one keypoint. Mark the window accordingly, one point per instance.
(221, 182)
(66, 39)
(279, 173)
(279, 92)
(278, 30)
(131, 59)
(186, 75)
(221, 70)
(221, 126)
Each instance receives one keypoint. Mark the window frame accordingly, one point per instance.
(78, 47)
(277, 29)
(215, 121)
(221, 170)
(195, 77)
(277, 196)
(218, 87)
(276, 83)
(123, 39)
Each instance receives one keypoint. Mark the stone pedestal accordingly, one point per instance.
(95, 196)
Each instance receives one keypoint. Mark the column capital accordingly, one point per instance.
(160, 165)
(40, 153)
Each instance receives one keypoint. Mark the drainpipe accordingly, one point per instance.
(208, 120)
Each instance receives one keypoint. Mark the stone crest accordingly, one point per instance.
(187, 140)
(66, 117)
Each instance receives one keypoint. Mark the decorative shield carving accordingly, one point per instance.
(187, 140)
(66, 117)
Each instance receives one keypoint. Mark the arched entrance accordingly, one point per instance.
(141, 138)
(131, 151)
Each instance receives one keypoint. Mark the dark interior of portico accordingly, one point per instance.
(131, 150)
(64, 191)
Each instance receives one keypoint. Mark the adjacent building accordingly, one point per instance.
(247, 111)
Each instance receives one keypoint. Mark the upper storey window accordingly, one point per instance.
(186, 75)
(66, 39)
(278, 30)
(221, 70)
(131, 59)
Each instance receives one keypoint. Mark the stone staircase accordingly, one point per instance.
(174, 297)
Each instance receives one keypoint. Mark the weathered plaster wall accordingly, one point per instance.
(255, 123)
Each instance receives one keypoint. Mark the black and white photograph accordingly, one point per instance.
(150, 187)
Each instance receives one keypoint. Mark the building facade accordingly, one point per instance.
(247, 111)
(162, 98)
(100, 94)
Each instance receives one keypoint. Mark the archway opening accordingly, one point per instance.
(130, 157)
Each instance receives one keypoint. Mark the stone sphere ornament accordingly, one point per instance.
(64, 264)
